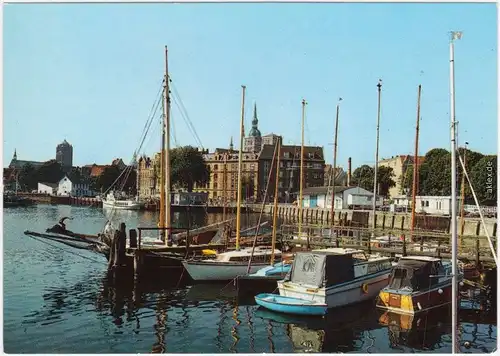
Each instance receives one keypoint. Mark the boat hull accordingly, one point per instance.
(289, 305)
(219, 271)
(411, 303)
(130, 206)
(339, 295)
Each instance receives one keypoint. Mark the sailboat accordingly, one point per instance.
(229, 265)
(111, 201)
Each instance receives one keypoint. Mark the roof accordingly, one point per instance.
(20, 163)
(337, 251)
(323, 190)
(267, 152)
(52, 185)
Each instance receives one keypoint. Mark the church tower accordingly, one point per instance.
(253, 142)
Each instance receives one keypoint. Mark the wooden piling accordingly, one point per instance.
(133, 238)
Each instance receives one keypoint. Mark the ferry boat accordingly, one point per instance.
(121, 204)
(335, 277)
(418, 284)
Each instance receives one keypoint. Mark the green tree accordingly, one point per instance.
(131, 183)
(435, 177)
(50, 172)
(27, 178)
(188, 168)
(484, 180)
(363, 177)
(109, 175)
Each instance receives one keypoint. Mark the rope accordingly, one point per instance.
(74, 253)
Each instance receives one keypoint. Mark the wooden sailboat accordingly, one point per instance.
(229, 265)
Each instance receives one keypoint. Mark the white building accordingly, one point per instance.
(345, 198)
(438, 205)
(47, 188)
(64, 187)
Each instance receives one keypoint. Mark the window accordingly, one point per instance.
(286, 155)
(427, 203)
(216, 167)
(317, 166)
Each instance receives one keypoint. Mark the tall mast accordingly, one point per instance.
(161, 222)
(275, 207)
(240, 158)
(224, 188)
(415, 166)
(462, 198)
(454, 290)
(166, 115)
(374, 224)
(334, 169)
(301, 167)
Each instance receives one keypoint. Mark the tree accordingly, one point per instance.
(109, 175)
(484, 180)
(131, 183)
(435, 178)
(363, 177)
(27, 178)
(50, 172)
(188, 167)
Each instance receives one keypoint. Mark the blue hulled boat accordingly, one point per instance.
(290, 305)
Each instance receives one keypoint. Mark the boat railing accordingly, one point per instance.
(169, 231)
(391, 241)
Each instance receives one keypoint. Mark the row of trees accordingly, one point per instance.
(434, 176)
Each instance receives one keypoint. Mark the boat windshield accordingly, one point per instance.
(413, 275)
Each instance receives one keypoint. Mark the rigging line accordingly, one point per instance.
(60, 248)
(191, 128)
(158, 96)
(185, 113)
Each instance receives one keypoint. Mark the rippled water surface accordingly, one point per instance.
(58, 300)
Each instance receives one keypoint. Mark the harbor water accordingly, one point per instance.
(58, 300)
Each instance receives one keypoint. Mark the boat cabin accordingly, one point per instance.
(260, 254)
(415, 273)
(333, 266)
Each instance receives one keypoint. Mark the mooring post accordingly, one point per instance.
(137, 263)
(111, 260)
(133, 238)
(116, 238)
(121, 245)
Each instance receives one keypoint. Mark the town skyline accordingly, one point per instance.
(335, 50)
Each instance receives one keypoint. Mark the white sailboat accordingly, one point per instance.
(231, 264)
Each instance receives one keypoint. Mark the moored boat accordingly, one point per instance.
(229, 265)
(417, 284)
(290, 305)
(264, 280)
(121, 204)
(336, 276)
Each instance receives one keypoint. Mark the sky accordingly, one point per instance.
(90, 73)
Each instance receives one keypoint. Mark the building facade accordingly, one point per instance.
(64, 155)
(149, 176)
(345, 198)
(399, 165)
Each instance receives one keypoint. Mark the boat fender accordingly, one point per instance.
(364, 287)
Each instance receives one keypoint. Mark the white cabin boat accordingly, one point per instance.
(336, 277)
(121, 204)
(229, 265)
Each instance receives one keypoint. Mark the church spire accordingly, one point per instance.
(254, 132)
(231, 146)
(15, 154)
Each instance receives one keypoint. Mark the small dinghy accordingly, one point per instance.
(290, 305)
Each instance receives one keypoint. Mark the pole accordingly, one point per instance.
(374, 223)
(162, 223)
(240, 158)
(275, 208)
(454, 291)
(301, 167)
(168, 222)
(224, 188)
(462, 199)
(334, 169)
(415, 166)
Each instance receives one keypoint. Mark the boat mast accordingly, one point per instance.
(224, 188)
(334, 169)
(454, 290)
(161, 222)
(166, 116)
(301, 167)
(462, 198)
(415, 166)
(240, 158)
(374, 223)
(275, 207)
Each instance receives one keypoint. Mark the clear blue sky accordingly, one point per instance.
(90, 73)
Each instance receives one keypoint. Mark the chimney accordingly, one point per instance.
(349, 172)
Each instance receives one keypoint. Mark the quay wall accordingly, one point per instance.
(383, 220)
